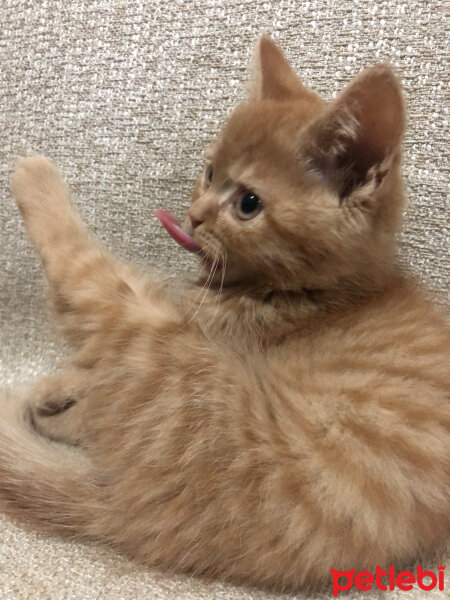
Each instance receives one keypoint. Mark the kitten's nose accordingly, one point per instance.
(202, 209)
(195, 222)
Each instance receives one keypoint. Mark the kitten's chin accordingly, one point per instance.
(220, 274)
(215, 270)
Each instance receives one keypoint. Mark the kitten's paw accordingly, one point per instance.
(37, 182)
(54, 419)
(54, 405)
(50, 408)
(41, 196)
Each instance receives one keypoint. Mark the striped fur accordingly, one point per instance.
(293, 420)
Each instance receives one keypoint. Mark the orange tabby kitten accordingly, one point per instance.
(293, 418)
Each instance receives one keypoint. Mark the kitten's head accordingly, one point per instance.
(297, 193)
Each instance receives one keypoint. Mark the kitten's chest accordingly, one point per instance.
(247, 324)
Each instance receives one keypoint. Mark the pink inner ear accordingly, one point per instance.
(175, 231)
(375, 97)
(361, 129)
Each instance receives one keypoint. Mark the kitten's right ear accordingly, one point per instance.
(271, 75)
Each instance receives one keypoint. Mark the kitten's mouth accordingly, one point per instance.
(176, 232)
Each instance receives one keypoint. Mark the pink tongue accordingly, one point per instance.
(175, 231)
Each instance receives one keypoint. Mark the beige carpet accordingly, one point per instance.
(124, 96)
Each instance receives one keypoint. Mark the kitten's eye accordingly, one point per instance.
(208, 175)
(248, 206)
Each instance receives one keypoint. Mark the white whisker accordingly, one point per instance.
(219, 295)
(202, 289)
(206, 287)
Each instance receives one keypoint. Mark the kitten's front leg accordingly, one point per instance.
(92, 292)
(43, 201)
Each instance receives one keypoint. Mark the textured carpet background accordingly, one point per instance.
(124, 97)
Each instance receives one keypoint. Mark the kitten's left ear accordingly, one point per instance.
(360, 133)
(272, 77)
